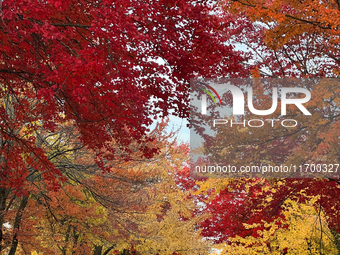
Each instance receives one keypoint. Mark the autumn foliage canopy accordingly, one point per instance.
(83, 172)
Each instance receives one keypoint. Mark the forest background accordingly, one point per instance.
(82, 171)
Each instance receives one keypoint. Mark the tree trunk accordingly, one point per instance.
(16, 226)
(108, 250)
(3, 197)
(98, 250)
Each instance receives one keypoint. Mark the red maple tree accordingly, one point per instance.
(107, 67)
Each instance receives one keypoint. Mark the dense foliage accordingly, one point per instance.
(82, 173)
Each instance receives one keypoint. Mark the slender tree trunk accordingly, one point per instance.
(108, 250)
(3, 198)
(67, 237)
(98, 250)
(75, 238)
(7, 101)
(16, 225)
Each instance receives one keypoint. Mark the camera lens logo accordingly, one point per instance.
(204, 97)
